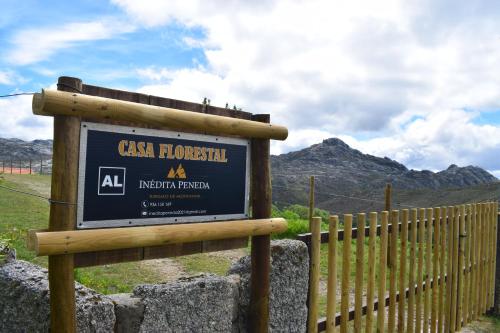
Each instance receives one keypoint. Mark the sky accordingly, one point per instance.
(416, 81)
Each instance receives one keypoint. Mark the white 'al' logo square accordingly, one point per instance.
(111, 181)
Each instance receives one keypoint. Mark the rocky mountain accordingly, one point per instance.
(18, 149)
(342, 172)
(346, 179)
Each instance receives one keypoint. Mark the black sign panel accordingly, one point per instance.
(134, 176)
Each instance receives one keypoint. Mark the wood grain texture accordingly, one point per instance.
(402, 269)
(358, 283)
(331, 296)
(461, 261)
(455, 271)
(410, 322)
(64, 186)
(435, 267)
(428, 272)
(449, 268)
(311, 200)
(53, 102)
(67, 242)
(314, 276)
(442, 269)
(346, 271)
(420, 270)
(370, 292)
(382, 269)
(261, 198)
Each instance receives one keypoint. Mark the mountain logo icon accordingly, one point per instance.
(179, 173)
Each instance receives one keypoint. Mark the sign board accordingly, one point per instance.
(135, 176)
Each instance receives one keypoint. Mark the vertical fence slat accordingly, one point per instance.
(492, 256)
(332, 274)
(402, 270)
(480, 239)
(435, 269)
(486, 255)
(382, 271)
(473, 275)
(370, 292)
(358, 286)
(449, 268)
(467, 279)
(346, 271)
(442, 270)
(391, 321)
(477, 255)
(420, 268)
(495, 240)
(481, 258)
(454, 286)
(410, 323)
(314, 276)
(461, 260)
(428, 273)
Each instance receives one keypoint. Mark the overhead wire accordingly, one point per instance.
(16, 94)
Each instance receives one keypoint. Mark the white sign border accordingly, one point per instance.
(101, 224)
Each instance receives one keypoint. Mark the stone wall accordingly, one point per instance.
(205, 303)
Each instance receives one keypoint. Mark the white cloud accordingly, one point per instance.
(18, 120)
(33, 45)
(399, 73)
(9, 77)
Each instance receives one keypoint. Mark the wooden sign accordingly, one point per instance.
(132, 176)
(106, 175)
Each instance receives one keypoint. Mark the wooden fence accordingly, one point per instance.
(441, 273)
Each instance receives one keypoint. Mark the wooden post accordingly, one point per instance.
(346, 273)
(358, 283)
(261, 245)
(311, 200)
(435, 267)
(41, 166)
(428, 273)
(314, 275)
(391, 320)
(63, 214)
(402, 270)
(454, 259)
(461, 261)
(420, 270)
(382, 272)
(467, 279)
(442, 270)
(497, 263)
(387, 208)
(332, 275)
(370, 293)
(410, 323)
(449, 270)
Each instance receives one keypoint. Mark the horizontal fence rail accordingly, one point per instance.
(439, 276)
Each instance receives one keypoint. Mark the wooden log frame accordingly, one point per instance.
(75, 102)
(62, 217)
(80, 241)
(59, 103)
(96, 258)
